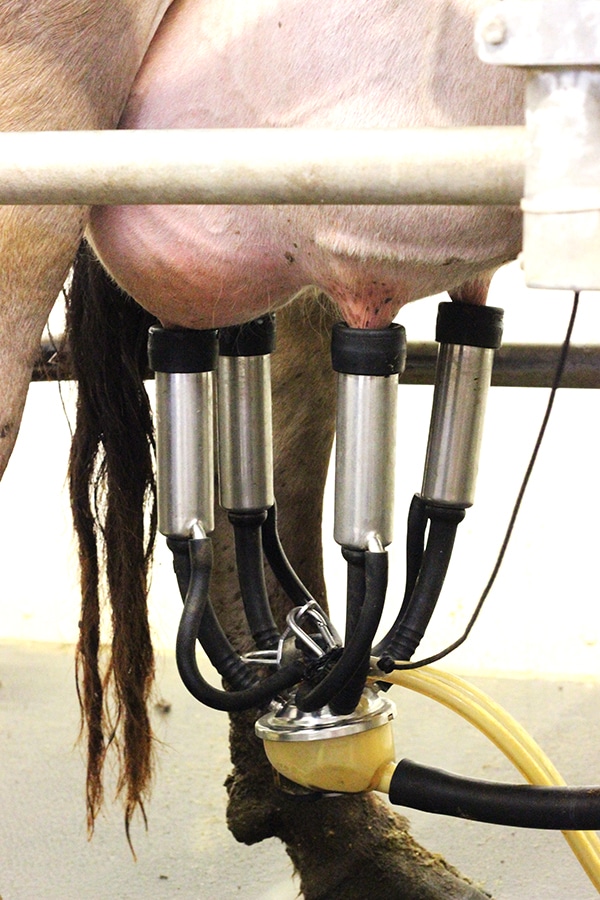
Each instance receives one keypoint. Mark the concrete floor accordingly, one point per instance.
(188, 853)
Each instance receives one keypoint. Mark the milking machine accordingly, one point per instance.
(326, 718)
(326, 721)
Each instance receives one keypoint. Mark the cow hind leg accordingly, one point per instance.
(36, 248)
(64, 64)
(341, 847)
(61, 67)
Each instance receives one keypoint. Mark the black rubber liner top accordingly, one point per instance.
(182, 349)
(466, 323)
(256, 338)
(368, 351)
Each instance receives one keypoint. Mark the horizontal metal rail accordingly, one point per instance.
(264, 166)
(515, 365)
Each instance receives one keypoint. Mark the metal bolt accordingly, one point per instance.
(494, 31)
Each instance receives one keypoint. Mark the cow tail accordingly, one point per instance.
(113, 498)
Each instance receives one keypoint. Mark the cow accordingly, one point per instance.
(229, 64)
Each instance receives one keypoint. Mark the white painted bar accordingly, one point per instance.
(274, 166)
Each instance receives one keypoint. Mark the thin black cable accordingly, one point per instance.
(279, 563)
(386, 663)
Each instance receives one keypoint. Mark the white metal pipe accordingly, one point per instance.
(252, 166)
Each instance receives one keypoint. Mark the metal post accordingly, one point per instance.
(558, 42)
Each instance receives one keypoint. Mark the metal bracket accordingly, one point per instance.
(558, 42)
(540, 33)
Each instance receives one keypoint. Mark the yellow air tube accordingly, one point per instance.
(506, 733)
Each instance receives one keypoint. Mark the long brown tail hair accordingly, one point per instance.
(113, 491)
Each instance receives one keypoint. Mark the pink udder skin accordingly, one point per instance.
(270, 63)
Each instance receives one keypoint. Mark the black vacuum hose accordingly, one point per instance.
(213, 639)
(416, 527)
(516, 805)
(189, 628)
(407, 631)
(251, 575)
(347, 700)
(353, 654)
